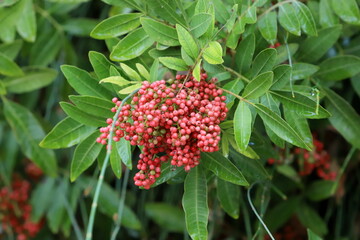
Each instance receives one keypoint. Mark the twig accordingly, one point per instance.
(232, 71)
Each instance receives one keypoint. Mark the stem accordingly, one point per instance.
(74, 223)
(48, 17)
(274, 7)
(102, 172)
(342, 169)
(256, 213)
(232, 71)
(121, 205)
(237, 96)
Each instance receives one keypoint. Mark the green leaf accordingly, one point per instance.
(166, 9)
(229, 197)
(168, 217)
(83, 83)
(244, 53)
(84, 156)
(56, 213)
(168, 172)
(196, 71)
(268, 27)
(116, 26)
(131, 46)
(313, 48)
(319, 190)
(160, 32)
(303, 70)
(132, 74)
(8, 67)
(263, 62)
(282, 75)
(344, 117)
(11, 50)
(347, 10)
(115, 162)
(123, 148)
(311, 219)
(66, 133)
(221, 13)
(284, 51)
(39, 203)
(250, 15)
(307, 21)
(117, 80)
(187, 42)
(26, 24)
(213, 53)
(28, 133)
(174, 63)
(231, 20)
(93, 105)
(327, 16)
(100, 64)
(195, 204)
(252, 169)
(288, 19)
(242, 125)
(302, 105)
(143, 71)
(312, 235)
(280, 127)
(223, 168)
(33, 79)
(258, 86)
(2, 88)
(154, 71)
(81, 27)
(82, 116)
(339, 68)
(234, 86)
(355, 82)
(299, 124)
(200, 23)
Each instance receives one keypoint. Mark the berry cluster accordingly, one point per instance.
(176, 118)
(293, 230)
(15, 210)
(33, 171)
(318, 161)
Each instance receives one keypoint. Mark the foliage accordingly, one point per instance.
(289, 69)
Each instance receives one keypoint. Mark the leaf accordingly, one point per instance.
(167, 10)
(196, 71)
(242, 125)
(284, 51)
(258, 86)
(2, 88)
(100, 64)
(195, 204)
(310, 219)
(327, 16)
(174, 63)
(143, 71)
(306, 19)
(250, 15)
(229, 197)
(223, 168)
(8, 67)
(231, 20)
(170, 218)
(252, 169)
(123, 147)
(268, 27)
(81, 27)
(160, 32)
(83, 83)
(81, 116)
(26, 24)
(347, 10)
(115, 162)
(355, 82)
(234, 86)
(282, 75)
(132, 74)
(34, 78)
(28, 133)
(213, 53)
(302, 105)
(244, 53)
(313, 48)
(93, 105)
(117, 80)
(288, 19)
(187, 42)
(303, 70)
(263, 62)
(280, 127)
(344, 117)
(11, 50)
(56, 213)
(66, 133)
(319, 190)
(200, 23)
(116, 26)
(339, 68)
(131, 46)
(167, 172)
(312, 235)
(39, 203)
(299, 124)
(84, 156)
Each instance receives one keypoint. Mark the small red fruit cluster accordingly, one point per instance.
(318, 161)
(33, 171)
(15, 210)
(176, 118)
